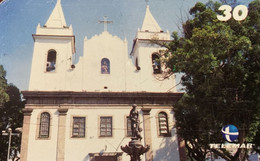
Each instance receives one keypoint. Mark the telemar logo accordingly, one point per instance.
(230, 133)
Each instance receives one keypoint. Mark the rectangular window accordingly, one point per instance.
(128, 128)
(78, 127)
(105, 126)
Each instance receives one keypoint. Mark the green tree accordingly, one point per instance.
(257, 140)
(3, 86)
(221, 62)
(10, 113)
(3, 98)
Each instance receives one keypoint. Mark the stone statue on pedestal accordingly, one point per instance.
(134, 117)
(135, 148)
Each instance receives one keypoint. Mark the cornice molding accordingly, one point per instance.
(68, 97)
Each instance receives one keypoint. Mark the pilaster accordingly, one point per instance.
(61, 134)
(27, 112)
(147, 133)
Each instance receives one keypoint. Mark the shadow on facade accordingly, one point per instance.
(86, 158)
(169, 150)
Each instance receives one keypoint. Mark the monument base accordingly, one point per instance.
(135, 149)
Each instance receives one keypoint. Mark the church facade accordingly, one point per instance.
(80, 112)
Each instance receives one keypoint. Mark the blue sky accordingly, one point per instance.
(19, 18)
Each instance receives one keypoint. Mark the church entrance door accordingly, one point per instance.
(105, 158)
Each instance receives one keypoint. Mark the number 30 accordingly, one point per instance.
(227, 12)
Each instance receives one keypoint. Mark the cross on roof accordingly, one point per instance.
(146, 1)
(105, 22)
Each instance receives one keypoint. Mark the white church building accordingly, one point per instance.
(79, 112)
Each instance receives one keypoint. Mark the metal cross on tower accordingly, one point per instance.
(146, 1)
(105, 22)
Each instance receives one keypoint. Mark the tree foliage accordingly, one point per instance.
(221, 62)
(3, 86)
(10, 114)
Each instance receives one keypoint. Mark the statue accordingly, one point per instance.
(135, 128)
(135, 148)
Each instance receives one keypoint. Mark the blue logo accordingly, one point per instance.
(230, 133)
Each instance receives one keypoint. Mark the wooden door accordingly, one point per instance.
(105, 158)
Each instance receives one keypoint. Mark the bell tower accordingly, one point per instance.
(146, 55)
(54, 46)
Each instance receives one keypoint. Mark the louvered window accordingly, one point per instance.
(163, 124)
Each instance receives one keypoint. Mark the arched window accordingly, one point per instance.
(156, 63)
(44, 125)
(163, 124)
(105, 66)
(51, 61)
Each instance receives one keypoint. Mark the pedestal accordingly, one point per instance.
(135, 149)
